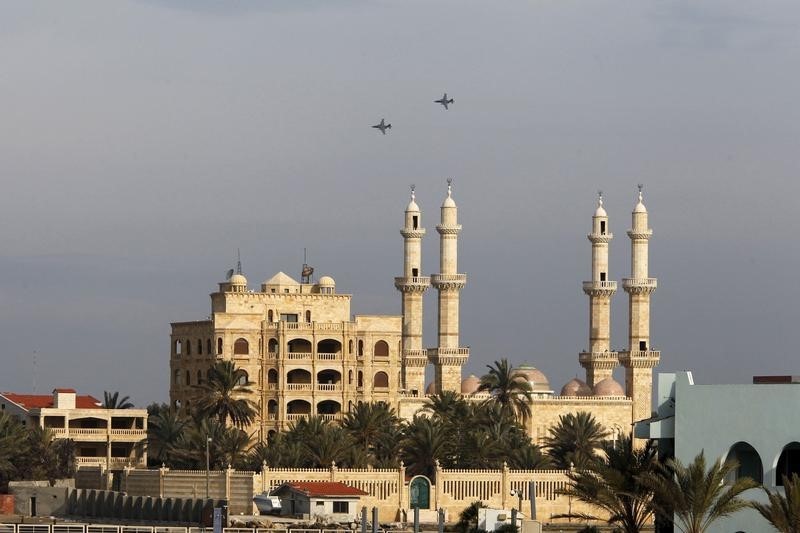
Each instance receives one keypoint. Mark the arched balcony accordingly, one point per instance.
(272, 410)
(297, 409)
(298, 380)
(272, 379)
(329, 350)
(381, 349)
(788, 463)
(329, 409)
(329, 380)
(749, 462)
(299, 349)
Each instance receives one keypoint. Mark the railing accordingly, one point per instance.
(323, 356)
(650, 283)
(337, 416)
(131, 432)
(415, 353)
(272, 416)
(97, 432)
(296, 356)
(299, 386)
(297, 416)
(108, 528)
(272, 386)
(594, 285)
(329, 387)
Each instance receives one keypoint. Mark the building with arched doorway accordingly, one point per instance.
(305, 354)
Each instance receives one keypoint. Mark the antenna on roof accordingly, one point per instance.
(34, 372)
(307, 271)
(238, 262)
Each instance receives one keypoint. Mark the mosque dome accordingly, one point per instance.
(608, 387)
(576, 387)
(326, 281)
(412, 206)
(238, 279)
(539, 382)
(470, 384)
(431, 388)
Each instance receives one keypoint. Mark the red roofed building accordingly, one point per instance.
(110, 438)
(326, 500)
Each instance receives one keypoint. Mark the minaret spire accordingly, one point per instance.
(412, 285)
(599, 360)
(448, 357)
(640, 358)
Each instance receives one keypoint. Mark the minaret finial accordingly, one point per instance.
(599, 198)
(413, 194)
(640, 191)
(449, 187)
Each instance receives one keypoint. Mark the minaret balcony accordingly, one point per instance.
(449, 281)
(415, 358)
(410, 233)
(601, 360)
(640, 358)
(640, 235)
(412, 284)
(448, 356)
(600, 237)
(599, 288)
(639, 285)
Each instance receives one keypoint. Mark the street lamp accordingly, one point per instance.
(208, 464)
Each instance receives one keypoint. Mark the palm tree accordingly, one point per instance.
(113, 401)
(573, 441)
(232, 447)
(221, 395)
(367, 422)
(447, 406)
(13, 446)
(509, 388)
(528, 457)
(692, 497)
(612, 484)
(468, 518)
(782, 512)
(424, 443)
(164, 430)
(332, 445)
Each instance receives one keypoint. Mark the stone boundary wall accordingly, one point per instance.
(388, 489)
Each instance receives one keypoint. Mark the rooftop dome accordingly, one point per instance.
(431, 388)
(470, 384)
(539, 382)
(326, 281)
(640, 208)
(238, 279)
(449, 202)
(608, 387)
(600, 211)
(576, 387)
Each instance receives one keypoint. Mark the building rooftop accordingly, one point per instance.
(40, 401)
(772, 380)
(324, 488)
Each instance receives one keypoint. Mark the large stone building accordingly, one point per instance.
(304, 352)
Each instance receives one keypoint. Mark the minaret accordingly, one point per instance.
(448, 357)
(599, 360)
(413, 285)
(640, 358)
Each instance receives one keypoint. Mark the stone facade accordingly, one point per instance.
(305, 353)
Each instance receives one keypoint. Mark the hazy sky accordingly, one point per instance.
(143, 142)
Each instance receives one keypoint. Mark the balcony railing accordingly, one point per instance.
(299, 356)
(329, 387)
(297, 416)
(272, 386)
(336, 416)
(299, 386)
(650, 283)
(97, 432)
(325, 356)
(594, 285)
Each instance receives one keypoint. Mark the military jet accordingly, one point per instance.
(383, 126)
(444, 101)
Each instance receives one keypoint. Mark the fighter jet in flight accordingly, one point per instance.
(383, 126)
(444, 101)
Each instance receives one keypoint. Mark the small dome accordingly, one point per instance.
(470, 384)
(608, 387)
(576, 387)
(326, 281)
(539, 382)
(431, 388)
(238, 279)
(640, 208)
(412, 207)
(449, 202)
(600, 211)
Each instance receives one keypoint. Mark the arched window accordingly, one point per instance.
(270, 315)
(199, 377)
(208, 346)
(272, 378)
(349, 377)
(188, 347)
(199, 347)
(350, 346)
(188, 378)
(219, 345)
(177, 347)
(360, 348)
(381, 349)
(749, 462)
(176, 378)
(243, 378)
(241, 347)
(308, 317)
(360, 378)
(788, 463)
(381, 380)
(272, 346)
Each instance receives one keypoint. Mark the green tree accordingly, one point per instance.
(331, 445)
(612, 484)
(232, 448)
(164, 431)
(468, 518)
(13, 445)
(222, 395)
(113, 401)
(574, 440)
(424, 443)
(508, 388)
(367, 422)
(528, 457)
(782, 512)
(694, 497)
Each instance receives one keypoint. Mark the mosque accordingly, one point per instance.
(304, 353)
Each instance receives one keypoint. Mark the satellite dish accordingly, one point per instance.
(229, 274)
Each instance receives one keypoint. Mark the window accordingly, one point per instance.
(749, 462)
(602, 276)
(320, 504)
(199, 377)
(177, 347)
(219, 345)
(243, 379)
(415, 272)
(241, 347)
(199, 347)
(188, 378)
(360, 348)
(381, 380)
(208, 346)
(602, 227)
(788, 463)
(269, 316)
(188, 347)
(643, 346)
(381, 349)
(342, 507)
(416, 221)
(288, 317)
(286, 291)
(308, 317)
